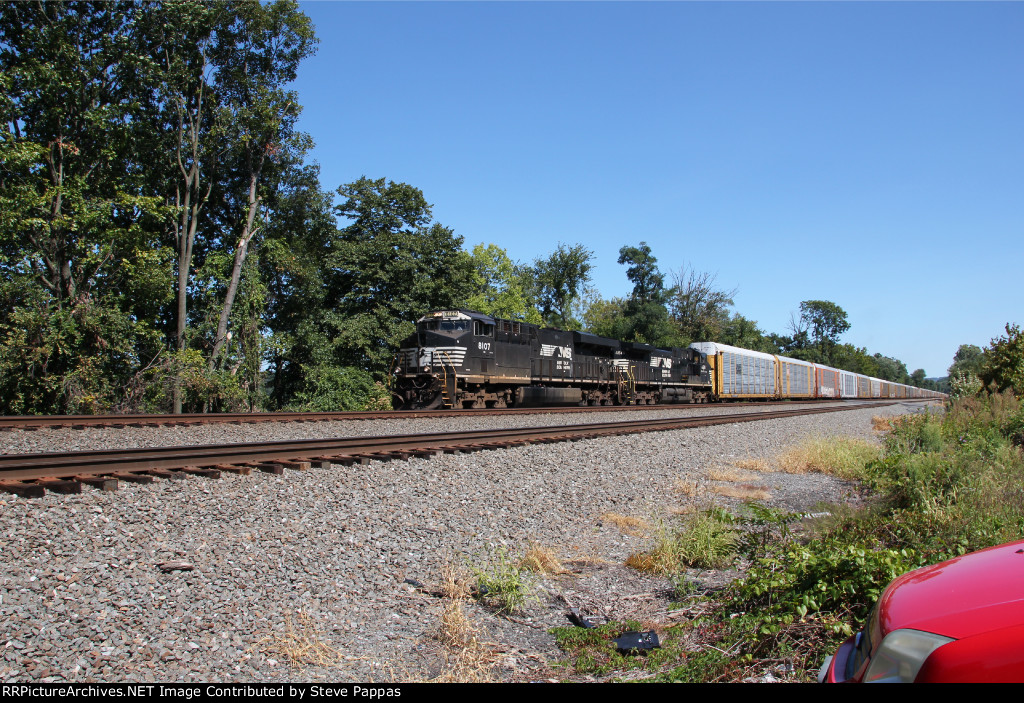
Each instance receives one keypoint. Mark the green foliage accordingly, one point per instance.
(559, 280)
(603, 317)
(703, 541)
(501, 287)
(967, 360)
(646, 318)
(825, 321)
(501, 582)
(386, 269)
(334, 389)
(592, 650)
(1003, 365)
(826, 576)
(698, 309)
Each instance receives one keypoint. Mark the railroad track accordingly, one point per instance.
(31, 475)
(81, 422)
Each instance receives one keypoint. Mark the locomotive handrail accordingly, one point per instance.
(444, 381)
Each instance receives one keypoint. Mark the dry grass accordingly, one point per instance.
(881, 424)
(746, 491)
(729, 474)
(759, 465)
(455, 582)
(541, 560)
(839, 456)
(301, 644)
(687, 487)
(466, 658)
(632, 526)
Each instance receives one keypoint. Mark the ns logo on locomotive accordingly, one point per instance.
(465, 359)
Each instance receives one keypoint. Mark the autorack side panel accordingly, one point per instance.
(741, 373)
(863, 386)
(828, 382)
(796, 378)
(847, 384)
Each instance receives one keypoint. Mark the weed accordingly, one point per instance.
(838, 456)
(687, 487)
(501, 583)
(541, 560)
(746, 491)
(728, 474)
(466, 659)
(301, 643)
(632, 526)
(703, 541)
(592, 651)
(759, 465)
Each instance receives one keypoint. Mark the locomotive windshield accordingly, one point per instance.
(444, 326)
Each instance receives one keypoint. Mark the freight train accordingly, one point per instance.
(465, 359)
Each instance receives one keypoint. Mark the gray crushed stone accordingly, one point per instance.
(322, 556)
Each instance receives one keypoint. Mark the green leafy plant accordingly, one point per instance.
(501, 582)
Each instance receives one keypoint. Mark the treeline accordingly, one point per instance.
(997, 367)
(165, 244)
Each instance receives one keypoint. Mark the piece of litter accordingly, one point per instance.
(635, 641)
(175, 566)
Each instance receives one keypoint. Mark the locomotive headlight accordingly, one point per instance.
(426, 368)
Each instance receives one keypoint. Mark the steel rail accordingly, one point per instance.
(28, 467)
(10, 422)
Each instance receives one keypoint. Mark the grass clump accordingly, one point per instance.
(746, 491)
(838, 456)
(541, 560)
(635, 527)
(501, 583)
(703, 541)
(466, 658)
(301, 644)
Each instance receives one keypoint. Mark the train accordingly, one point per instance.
(466, 359)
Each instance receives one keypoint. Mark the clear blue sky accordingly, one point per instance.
(871, 154)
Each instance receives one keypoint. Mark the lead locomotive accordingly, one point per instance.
(461, 358)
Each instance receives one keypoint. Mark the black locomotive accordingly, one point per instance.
(465, 359)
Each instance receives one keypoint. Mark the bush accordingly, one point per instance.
(339, 388)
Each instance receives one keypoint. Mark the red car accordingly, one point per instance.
(958, 621)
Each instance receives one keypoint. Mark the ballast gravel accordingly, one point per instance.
(303, 576)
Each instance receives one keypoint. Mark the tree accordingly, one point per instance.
(698, 308)
(968, 359)
(388, 267)
(824, 321)
(559, 280)
(917, 378)
(501, 287)
(1003, 368)
(602, 317)
(890, 369)
(742, 332)
(646, 317)
(81, 269)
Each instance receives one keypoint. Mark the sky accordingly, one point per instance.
(868, 153)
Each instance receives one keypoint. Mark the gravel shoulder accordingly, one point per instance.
(313, 565)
